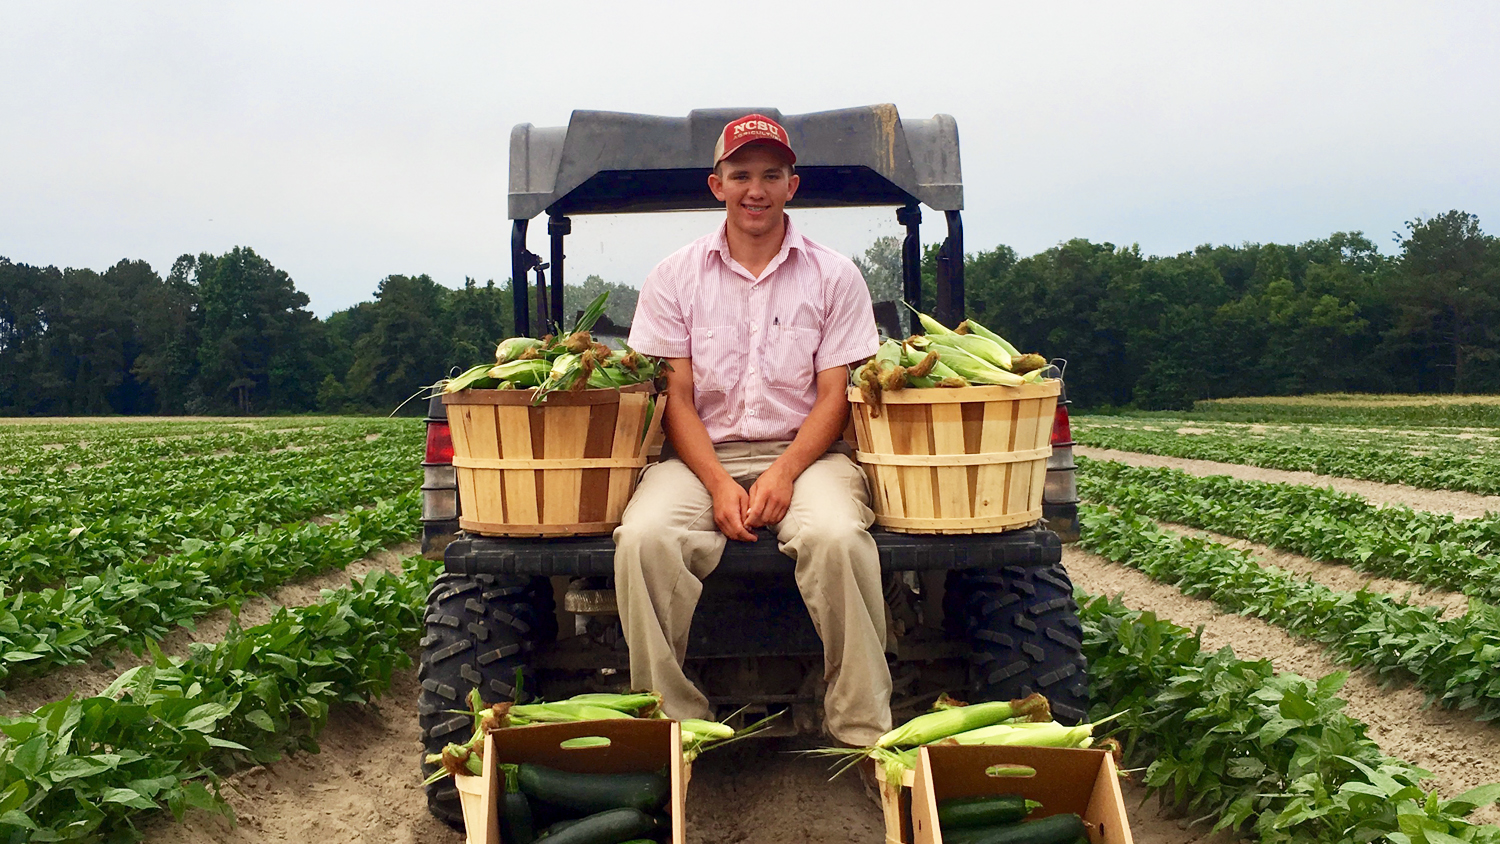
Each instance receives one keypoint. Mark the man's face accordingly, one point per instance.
(754, 184)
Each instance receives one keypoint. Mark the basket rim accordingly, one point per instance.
(561, 398)
(971, 393)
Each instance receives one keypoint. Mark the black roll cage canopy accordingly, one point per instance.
(614, 163)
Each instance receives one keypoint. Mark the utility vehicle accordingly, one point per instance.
(988, 616)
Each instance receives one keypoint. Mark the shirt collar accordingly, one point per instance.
(790, 239)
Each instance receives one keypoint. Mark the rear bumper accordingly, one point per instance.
(593, 556)
(1062, 519)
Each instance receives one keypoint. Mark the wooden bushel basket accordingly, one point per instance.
(957, 460)
(566, 467)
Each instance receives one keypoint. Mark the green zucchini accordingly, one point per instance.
(611, 827)
(990, 810)
(558, 827)
(587, 794)
(1053, 829)
(515, 824)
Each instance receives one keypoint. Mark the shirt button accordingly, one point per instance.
(753, 327)
(751, 411)
(752, 370)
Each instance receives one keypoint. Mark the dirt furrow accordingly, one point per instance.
(363, 786)
(1460, 752)
(1464, 505)
(94, 676)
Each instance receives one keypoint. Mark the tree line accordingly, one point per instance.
(1327, 315)
(232, 334)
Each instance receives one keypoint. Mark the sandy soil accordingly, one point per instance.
(760, 791)
(1464, 505)
(364, 787)
(1461, 753)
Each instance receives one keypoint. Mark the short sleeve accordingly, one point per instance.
(849, 333)
(659, 326)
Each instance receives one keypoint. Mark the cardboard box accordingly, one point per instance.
(1067, 780)
(895, 804)
(636, 744)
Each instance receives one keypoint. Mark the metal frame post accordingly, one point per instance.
(910, 216)
(519, 265)
(950, 272)
(541, 292)
(558, 227)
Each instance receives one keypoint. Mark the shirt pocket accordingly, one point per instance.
(790, 356)
(718, 356)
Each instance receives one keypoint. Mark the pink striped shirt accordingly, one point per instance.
(756, 343)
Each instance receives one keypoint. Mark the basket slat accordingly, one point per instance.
(458, 429)
(521, 491)
(566, 434)
(911, 431)
(1023, 436)
(993, 480)
(952, 480)
(594, 496)
(886, 481)
(966, 460)
(564, 468)
(627, 443)
(488, 495)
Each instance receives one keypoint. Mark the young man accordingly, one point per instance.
(759, 324)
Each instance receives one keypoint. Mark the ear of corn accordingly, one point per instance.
(980, 330)
(925, 729)
(707, 729)
(638, 702)
(475, 377)
(1023, 364)
(889, 354)
(514, 347)
(975, 370)
(1046, 734)
(564, 711)
(930, 325)
(521, 373)
(986, 350)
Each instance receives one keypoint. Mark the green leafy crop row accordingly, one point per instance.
(28, 458)
(86, 770)
(1423, 462)
(70, 479)
(1453, 660)
(156, 516)
(142, 601)
(1439, 413)
(1232, 742)
(1321, 523)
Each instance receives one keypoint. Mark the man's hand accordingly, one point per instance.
(770, 496)
(730, 501)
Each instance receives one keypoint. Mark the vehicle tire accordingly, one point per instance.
(1021, 623)
(481, 631)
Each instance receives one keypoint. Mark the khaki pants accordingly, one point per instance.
(668, 543)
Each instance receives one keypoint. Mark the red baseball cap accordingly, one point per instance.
(747, 129)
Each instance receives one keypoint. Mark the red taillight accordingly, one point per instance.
(439, 443)
(1062, 432)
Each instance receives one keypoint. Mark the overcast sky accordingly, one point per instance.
(346, 141)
